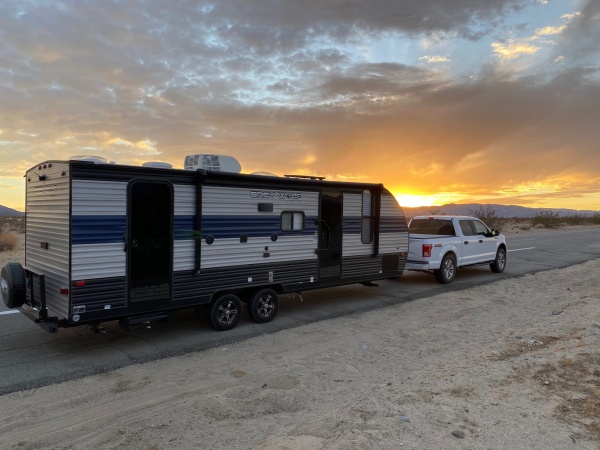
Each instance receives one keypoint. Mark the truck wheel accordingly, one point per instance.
(12, 285)
(499, 263)
(263, 306)
(447, 271)
(225, 312)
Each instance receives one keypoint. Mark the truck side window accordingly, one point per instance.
(366, 233)
(292, 221)
(480, 228)
(466, 227)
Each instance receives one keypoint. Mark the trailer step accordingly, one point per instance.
(143, 319)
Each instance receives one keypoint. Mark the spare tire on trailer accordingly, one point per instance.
(12, 285)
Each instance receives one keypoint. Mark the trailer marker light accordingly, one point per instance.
(427, 250)
(80, 283)
(64, 291)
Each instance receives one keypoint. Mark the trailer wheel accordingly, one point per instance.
(12, 285)
(263, 306)
(447, 270)
(225, 312)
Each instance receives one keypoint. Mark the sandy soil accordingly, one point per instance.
(513, 364)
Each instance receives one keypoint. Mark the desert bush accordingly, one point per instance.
(8, 241)
(436, 212)
(525, 227)
(575, 219)
(488, 215)
(548, 219)
(595, 218)
(9, 223)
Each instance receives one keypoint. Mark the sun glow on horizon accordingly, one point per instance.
(413, 201)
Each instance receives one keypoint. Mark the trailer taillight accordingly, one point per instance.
(427, 250)
(79, 283)
(64, 291)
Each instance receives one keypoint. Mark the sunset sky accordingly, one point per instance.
(443, 101)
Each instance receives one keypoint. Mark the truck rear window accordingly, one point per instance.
(438, 227)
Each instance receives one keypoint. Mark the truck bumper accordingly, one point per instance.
(417, 265)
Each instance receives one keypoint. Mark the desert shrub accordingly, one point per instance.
(575, 219)
(9, 223)
(548, 219)
(525, 227)
(488, 215)
(595, 218)
(8, 241)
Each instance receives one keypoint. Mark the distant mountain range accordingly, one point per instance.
(507, 211)
(6, 211)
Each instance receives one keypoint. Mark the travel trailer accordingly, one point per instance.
(115, 242)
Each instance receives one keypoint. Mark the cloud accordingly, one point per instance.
(550, 31)
(434, 59)
(514, 49)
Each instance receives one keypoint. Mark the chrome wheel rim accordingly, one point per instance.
(448, 269)
(227, 313)
(265, 305)
(501, 260)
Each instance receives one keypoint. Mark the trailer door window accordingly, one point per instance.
(366, 235)
(292, 221)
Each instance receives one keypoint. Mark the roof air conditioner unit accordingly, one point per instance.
(216, 163)
(90, 158)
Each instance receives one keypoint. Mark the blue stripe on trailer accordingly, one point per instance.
(353, 225)
(97, 229)
(103, 229)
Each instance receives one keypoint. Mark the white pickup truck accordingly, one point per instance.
(442, 244)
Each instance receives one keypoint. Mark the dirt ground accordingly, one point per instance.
(514, 364)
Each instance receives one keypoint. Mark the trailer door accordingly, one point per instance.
(330, 235)
(150, 243)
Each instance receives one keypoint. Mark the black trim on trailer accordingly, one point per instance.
(112, 172)
(377, 218)
(199, 178)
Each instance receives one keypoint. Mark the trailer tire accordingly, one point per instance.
(12, 285)
(263, 306)
(447, 271)
(225, 312)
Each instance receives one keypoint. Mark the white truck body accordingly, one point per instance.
(444, 243)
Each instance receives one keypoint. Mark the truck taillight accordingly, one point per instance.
(427, 250)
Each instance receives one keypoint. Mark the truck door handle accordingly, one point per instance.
(481, 241)
(466, 242)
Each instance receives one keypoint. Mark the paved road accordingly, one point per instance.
(31, 357)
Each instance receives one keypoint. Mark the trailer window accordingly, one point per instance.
(292, 221)
(366, 233)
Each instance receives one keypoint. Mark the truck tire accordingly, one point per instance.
(499, 263)
(12, 285)
(225, 312)
(447, 271)
(263, 306)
